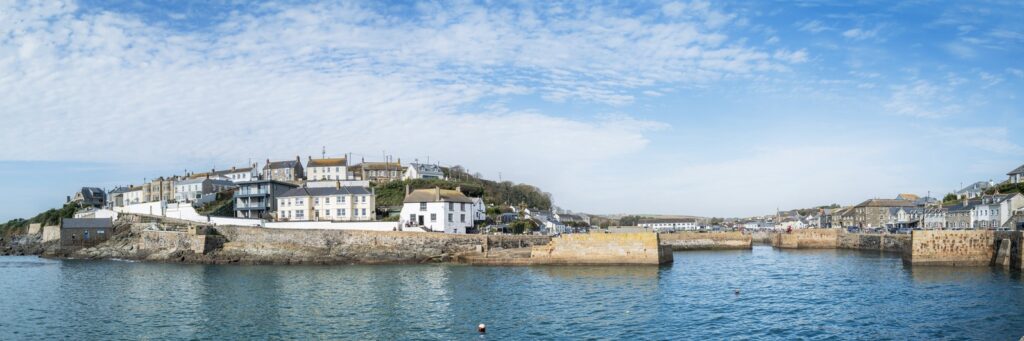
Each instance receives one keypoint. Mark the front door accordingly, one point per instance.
(421, 220)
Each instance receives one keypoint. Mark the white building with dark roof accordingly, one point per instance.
(423, 171)
(90, 197)
(670, 224)
(1016, 175)
(337, 203)
(190, 190)
(326, 169)
(437, 210)
(974, 190)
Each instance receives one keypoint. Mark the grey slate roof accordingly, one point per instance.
(201, 180)
(1019, 170)
(86, 223)
(668, 221)
(427, 168)
(119, 190)
(282, 164)
(92, 193)
(324, 191)
(975, 187)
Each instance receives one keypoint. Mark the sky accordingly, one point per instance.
(711, 109)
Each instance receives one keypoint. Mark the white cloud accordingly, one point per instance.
(1016, 72)
(992, 139)
(813, 26)
(794, 57)
(922, 99)
(112, 87)
(960, 50)
(860, 33)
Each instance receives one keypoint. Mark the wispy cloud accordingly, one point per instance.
(813, 26)
(922, 99)
(861, 33)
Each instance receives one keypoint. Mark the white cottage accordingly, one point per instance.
(437, 210)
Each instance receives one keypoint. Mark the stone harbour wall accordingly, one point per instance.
(260, 245)
(51, 233)
(806, 239)
(603, 248)
(684, 241)
(873, 242)
(955, 248)
(172, 241)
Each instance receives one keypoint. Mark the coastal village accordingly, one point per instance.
(332, 193)
(327, 210)
(327, 193)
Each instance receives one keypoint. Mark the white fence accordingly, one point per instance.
(327, 225)
(187, 212)
(184, 212)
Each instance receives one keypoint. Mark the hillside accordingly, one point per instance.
(47, 218)
(493, 192)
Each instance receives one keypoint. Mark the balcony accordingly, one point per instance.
(250, 206)
(245, 193)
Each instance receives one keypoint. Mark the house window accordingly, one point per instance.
(451, 206)
(299, 214)
(450, 219)
(433, 217)
(462, 207)
(316, 201)
(327, 200)
(364, 198)
(462, 218)
(364, 212)
(342, 199)
(423, 206)
(412, 218)
(339, 200)
(327, 212)
(341, 212)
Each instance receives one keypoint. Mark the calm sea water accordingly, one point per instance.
(820, 294)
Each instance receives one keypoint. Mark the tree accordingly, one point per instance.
(949, 197)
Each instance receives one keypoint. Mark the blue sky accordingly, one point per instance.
(715, 109)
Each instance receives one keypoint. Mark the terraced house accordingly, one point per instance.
(326, 169)
(290, 171)
(873, 213)
(377, 171)
(337, 203)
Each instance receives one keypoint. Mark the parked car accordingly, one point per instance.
(853, 229)
(904, 230)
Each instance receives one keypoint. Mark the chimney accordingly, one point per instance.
(268, 162)
(232, 168)
(298, 159)
(399, 161)
(310, 157)
(407, 190)
(437, 193)
(337, 184)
